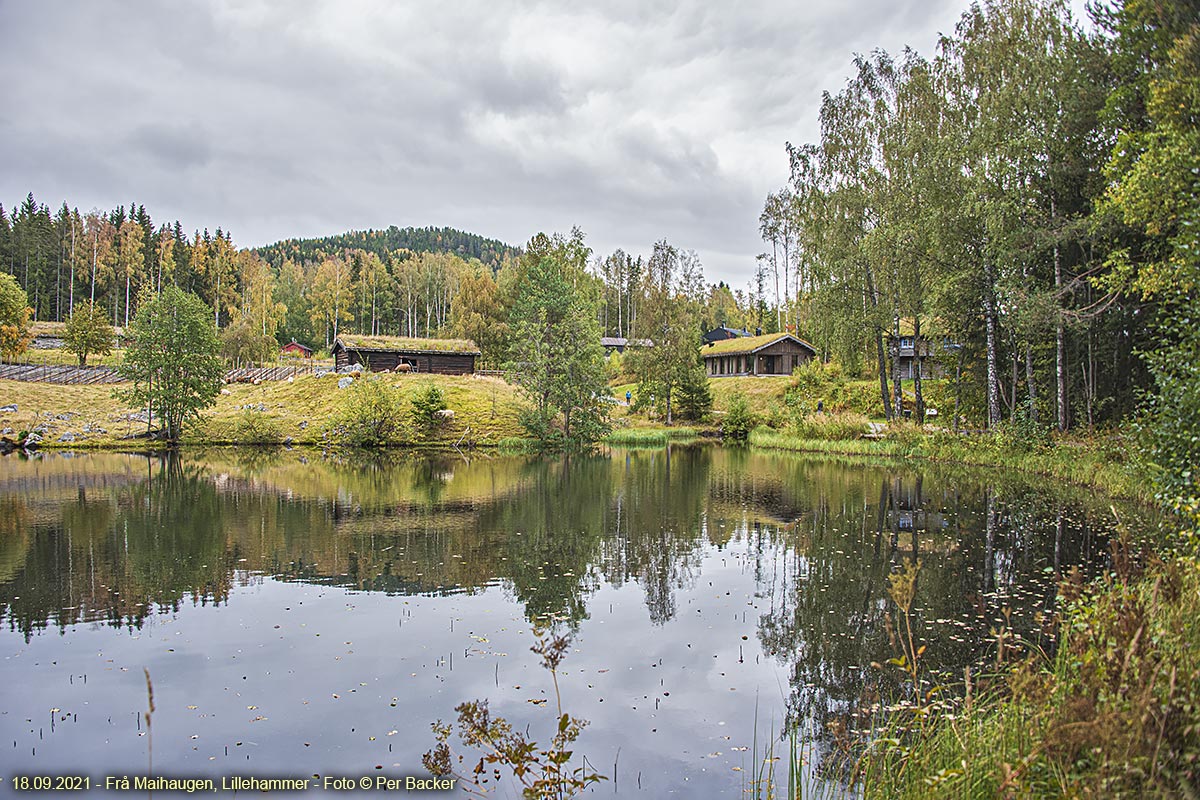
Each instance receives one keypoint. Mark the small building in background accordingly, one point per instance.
(772, 354)
(618, 344)
(934, 354)
(297, 350)
(401, 354)
(722, 332)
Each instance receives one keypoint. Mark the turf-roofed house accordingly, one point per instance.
(771, 354)
(401, 354)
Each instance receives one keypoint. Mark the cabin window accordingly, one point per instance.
(906, 342)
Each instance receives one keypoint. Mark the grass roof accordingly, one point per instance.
(748, 344)
(405, 344)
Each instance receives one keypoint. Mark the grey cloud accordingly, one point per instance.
(635, 120)
(172, 145)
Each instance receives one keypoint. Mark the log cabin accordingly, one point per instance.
(772, 354)
(397, 353)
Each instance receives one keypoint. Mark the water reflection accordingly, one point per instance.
(794, 551)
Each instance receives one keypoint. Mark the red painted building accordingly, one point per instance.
(294, 348)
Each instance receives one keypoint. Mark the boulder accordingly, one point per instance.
(444, 414)
(67, 437)
(345, 382)
(10, 407)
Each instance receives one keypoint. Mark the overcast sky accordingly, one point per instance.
(640, 121)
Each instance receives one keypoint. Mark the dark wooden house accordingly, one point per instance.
(396, 353)
(722, 332)
(772, 354)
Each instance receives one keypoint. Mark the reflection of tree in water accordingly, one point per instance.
(114, 537)
(118, 551)
(173, 534)
(654, 523)
(983, 550)
(553, 527)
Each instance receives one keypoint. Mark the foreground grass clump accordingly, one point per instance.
(648, 437)
(837, 426)
(1116, 713)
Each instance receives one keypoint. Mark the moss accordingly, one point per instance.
(747, 344)
(409, 344)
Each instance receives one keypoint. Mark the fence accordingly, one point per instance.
(52, 373)
(58, 373)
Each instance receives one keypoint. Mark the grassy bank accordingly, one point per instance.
(300, 412)
(1115, 713)
(1102, 461)
(649, 437)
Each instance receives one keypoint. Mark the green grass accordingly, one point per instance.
(1116, 713)
(1101, 461)
(649, 437)
(485, 412)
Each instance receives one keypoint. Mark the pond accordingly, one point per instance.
(304, 615)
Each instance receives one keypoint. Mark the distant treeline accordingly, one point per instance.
(466, 246)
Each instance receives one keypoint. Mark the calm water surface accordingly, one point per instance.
(304, 615)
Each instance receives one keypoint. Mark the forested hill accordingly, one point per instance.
(420, 240)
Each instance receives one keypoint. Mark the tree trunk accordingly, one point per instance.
(958, 386)
(918, 396)
(993, 377)
(1060, 350)
(775, 267)
(897, 391)
(71, 294)
(873, 303)
(1030, 383)
(883, 383)
(95, 245)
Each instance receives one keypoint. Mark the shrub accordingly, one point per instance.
(15, 333)
(257, 427)
(426, 402)
(739, 420)
(87, 333)
(370, 415)
(838, 426)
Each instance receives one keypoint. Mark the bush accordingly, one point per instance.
(88, 333)
(838, 426)
(371, 414)
(426, 402)
(694, 399)
(15, 333)
(243, 343)
(739, 421)
(257, 427)
(815, 373)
